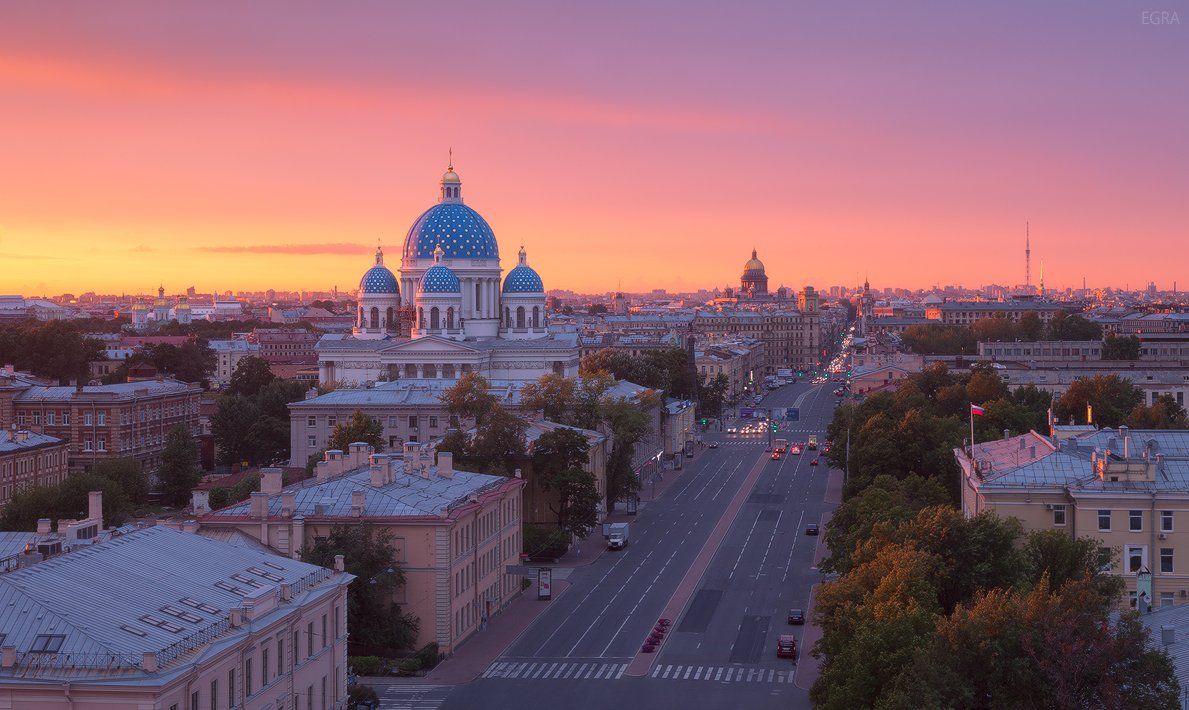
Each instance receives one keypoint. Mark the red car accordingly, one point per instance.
(813, 462)
(775, 455)
(786, 646)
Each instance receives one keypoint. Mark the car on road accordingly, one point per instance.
(795, 451)
(775, 455)
(712, 445)
(811, 529)
(813, 462)
(796, 617)
(786, 646)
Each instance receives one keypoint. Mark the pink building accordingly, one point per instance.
(163, 619)
(454, 532)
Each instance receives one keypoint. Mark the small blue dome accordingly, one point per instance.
(439, 279)
(462, 232)
(523, 279)
(378, 279)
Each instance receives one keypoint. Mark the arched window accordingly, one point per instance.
(433, 318)
(478, 297)
(536, 316)
(375, 317)
(362, 317)
(450, 318)
(420, 317)
(390, 323)
(519, 316)
(429, 370)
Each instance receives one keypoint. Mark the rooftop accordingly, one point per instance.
(120, 391)
(159, 590)
(24, 440)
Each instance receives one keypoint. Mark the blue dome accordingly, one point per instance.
(378, 279)
(462, 232)
(523, 279)
(439, 279)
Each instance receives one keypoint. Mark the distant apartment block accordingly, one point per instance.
(30, 459)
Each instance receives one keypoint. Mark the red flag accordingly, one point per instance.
(977, 411)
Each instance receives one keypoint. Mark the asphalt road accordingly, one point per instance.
(721, 650)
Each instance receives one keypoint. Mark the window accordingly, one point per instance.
(1166, 599)
(311, 421)
(323, 692)
(1104, 559)
(433, 422)
(324, 629)
(215, 694)
(194, 700)
(296, 645)
(312, 441)
(264, 666)
(280, 656)
(310, 697)
(102, 418)
(1135, 520)
(248, 676)
(1166, 559)
(1058, 515)
(332, 421)
(87, 419)
(1104, 520)
(1135, 558)
(49, 418)
(47, 643)
(231, 688)
(336, 622)
(413, 422)
(309, 639)
(1166, 521)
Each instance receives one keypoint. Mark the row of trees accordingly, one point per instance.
(191, 362)
(963, 340)
(124, 484)
(933, 609)
(56, 350)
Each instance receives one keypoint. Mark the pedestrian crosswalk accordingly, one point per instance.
(556, 670)
(413, 697)
(723, 674)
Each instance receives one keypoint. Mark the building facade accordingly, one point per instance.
(30, 459)
(126, 420)
(228, 353)
(454, 532)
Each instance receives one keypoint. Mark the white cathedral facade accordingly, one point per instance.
(465, 316)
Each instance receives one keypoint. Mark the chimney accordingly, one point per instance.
(44, 526)
(423, 468)
(21, 436)
(149, 662)
(1032, 451)
(358, 501)
(1007, 433)
(322, 471)
(335, 458)
(8, 656)
(361, 451)
(1126, 441)
(270, 481)
(1023, 443)
(95, 506)
(311, 393)
(288, 503)
(379, 473)
(446, 464)
(190, 526)
(200, 501)
(259, 504)
(236, 617)
(340, 563)
(517, 473)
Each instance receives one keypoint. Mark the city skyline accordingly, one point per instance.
(185, 147)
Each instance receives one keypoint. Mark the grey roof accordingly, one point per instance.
(14, 543)
(122, 390)
(406, 496)
(334, 341)
(99, 597)
(1177, 618)
(9, 442)
(406, 392)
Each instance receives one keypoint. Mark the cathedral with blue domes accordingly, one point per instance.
(463, 314)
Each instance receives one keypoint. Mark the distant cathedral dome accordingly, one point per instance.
(754, 281)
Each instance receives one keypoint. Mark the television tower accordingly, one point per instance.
(1027, 255)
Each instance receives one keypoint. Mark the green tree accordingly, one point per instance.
(1164, 413)
(250, 375)
(552, 395)
(470, 398)
(994, 329)
(231, 425)
(628, 424)
(886, 500)
(558, 450)
(179, 471)
(1065, 326)
(360, 427)
(1030, 328)
(577, 507)
(378, 624)
(69, 499)
(712, 395)
(128, 474)
(1059, 558)
(1111, 397)
(498, 442)
(1120, 348)
(985, 384)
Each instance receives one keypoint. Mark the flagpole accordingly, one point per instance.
(971, 415)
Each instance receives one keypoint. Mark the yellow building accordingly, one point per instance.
(1127, 488)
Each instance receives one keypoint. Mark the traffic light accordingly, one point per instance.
(775, 426)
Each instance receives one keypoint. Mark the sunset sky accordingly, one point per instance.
(233, 145)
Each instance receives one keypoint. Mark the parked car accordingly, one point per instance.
(796, 617)
(811, 529)
(786, 646)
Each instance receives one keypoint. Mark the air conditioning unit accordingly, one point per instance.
(1163, 536)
